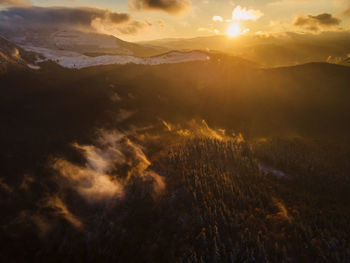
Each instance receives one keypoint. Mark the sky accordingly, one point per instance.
(156, 19)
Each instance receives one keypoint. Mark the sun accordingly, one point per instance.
(234, 30)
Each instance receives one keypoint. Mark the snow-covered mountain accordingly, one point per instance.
(73, 49)
(81, 42)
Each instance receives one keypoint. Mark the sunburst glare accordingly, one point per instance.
(235, 30)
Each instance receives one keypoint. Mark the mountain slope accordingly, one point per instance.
(9, 55)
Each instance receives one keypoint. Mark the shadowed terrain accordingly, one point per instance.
(208, 161)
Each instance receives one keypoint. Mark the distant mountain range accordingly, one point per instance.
(76, 49)
(273, 50)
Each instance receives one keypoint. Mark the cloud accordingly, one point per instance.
(243, 14)
(218, 19)
(59, 16)
(108, 169)
(92, 185)
(169, 6)
(15, 2)
(79, 18)
(117, 18)
(133, 27)
(316, 23)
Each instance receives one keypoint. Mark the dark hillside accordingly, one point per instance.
(114, 163)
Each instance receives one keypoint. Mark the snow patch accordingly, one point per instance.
(75, 60)
(34, 67)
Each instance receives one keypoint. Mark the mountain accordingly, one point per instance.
(269, 50)
(87, 43)
(75, 49)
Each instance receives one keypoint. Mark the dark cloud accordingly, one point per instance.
(169, 6)
(118, 18)
(133, 27)
(58, 16)
(15, 2)
(318, 22)
(14, 19)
